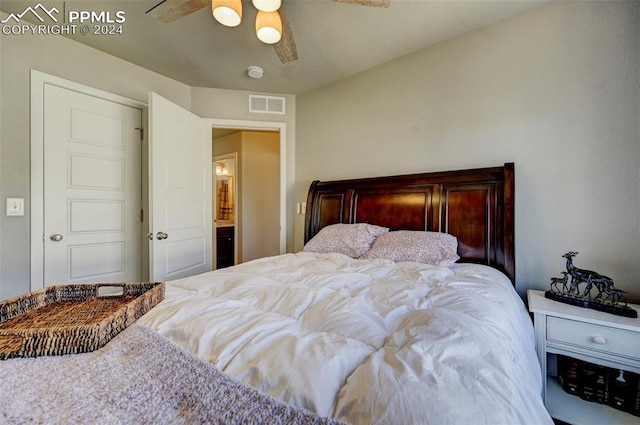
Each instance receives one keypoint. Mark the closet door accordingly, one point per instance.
(92, 189)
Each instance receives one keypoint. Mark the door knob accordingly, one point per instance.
(56, 237)
(161, 235)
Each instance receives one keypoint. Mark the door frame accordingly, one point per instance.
(281, 128)
(37, 82)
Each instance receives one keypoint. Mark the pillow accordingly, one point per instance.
(435, 248)
(348, 239)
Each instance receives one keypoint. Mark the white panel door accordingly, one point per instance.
(92, 189)
(180, 191)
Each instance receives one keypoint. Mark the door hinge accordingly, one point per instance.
(141, 132)
(141, 216)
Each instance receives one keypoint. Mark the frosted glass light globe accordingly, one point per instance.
(269, 27)
(227, 12)
(267, 5)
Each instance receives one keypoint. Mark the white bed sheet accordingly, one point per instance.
(364, 341)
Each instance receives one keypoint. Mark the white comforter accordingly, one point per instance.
(364, 341)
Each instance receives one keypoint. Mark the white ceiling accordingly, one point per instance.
(334, 40)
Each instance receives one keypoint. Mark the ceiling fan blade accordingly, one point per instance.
(376, 3)
(286, 47)
(170, 10)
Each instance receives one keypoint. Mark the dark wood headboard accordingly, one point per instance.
(476, 206)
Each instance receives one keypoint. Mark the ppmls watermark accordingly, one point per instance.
(68, 22)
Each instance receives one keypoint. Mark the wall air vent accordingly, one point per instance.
(266, 104)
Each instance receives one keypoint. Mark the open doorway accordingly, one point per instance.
(247, 192)
(225, 212)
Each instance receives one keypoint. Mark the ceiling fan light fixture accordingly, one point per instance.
(268, 27)
(227, 12)
(267, 5)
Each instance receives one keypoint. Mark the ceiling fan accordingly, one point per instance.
(285, 47)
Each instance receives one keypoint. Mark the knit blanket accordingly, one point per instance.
(138, 378)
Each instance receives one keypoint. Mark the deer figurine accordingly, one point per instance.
(579, 276)
(555, 281)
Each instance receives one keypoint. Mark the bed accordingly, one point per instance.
(359, 331)
(377, 340)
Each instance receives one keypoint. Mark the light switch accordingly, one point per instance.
(15, 206)
(304, 208)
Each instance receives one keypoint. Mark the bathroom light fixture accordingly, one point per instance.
(221, 169)
(268, 27)
(227, 12)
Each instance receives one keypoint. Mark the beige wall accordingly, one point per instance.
(67, 59)
(555, 89)
(260, 193)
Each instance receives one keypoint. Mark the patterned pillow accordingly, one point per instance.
(435, 248)
(348, 239)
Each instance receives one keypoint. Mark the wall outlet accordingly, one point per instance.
(15, 206)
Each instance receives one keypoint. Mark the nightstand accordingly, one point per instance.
(588, 335)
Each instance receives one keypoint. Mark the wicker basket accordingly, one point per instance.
(68, 319)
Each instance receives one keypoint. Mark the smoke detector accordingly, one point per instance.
(255, 72)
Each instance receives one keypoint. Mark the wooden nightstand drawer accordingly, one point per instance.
(594, 337)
